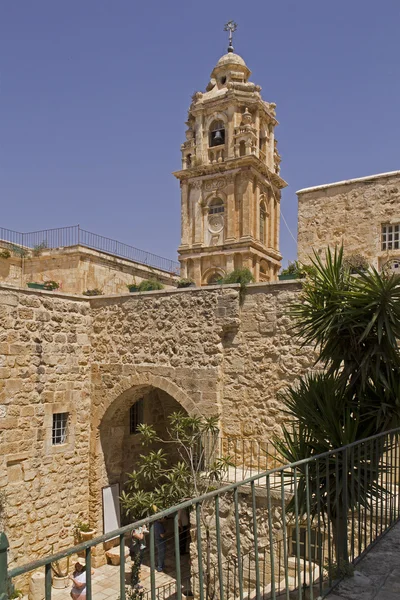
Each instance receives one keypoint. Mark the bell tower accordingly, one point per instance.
(230, 183)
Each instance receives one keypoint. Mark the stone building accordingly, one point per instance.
(230, 183)
(362, 214)
(78, 261)
(76, 373)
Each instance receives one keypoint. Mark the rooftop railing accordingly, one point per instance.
(65, 237)
(291, 541)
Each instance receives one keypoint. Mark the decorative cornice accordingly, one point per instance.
(249, 162)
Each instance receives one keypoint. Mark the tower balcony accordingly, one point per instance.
(216, 155)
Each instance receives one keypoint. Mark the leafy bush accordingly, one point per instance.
(38, 248)
(355, 263)
(298, 269)
(147, 285)
(95, 292)
(51, 285)
(242, 276)
(183, 283)
(5, 253)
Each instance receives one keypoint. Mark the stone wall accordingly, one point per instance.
(196, 349)
(44, 368)
(349, 213)
(77, 269)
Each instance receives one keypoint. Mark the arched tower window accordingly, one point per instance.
(263, 218)
(216, 206)
(216, 134)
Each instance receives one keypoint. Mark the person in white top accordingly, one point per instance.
(78, 577)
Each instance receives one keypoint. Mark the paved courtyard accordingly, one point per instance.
(377, 575)
(106, 586)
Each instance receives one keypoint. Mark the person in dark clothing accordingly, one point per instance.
(138, 546)
(184, 530)
(159, 538)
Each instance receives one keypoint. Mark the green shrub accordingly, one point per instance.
(242, 276)
(298, 269)
(38, 248)
(183, 283)
(355, 263)
(147, 285)
(95, 292)
(51, 285)
(5, 253)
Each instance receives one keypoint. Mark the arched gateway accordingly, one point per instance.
(115, 443)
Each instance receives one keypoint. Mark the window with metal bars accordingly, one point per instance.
(136, 416)
(390, 236)
(60, 429)
(216, 206)
(314, 545)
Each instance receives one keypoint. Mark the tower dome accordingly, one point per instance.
(231, 59)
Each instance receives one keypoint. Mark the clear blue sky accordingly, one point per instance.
(94, 95)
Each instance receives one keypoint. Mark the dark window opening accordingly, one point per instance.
(136, 416)
(216, 206)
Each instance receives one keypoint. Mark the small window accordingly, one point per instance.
(263, 216)
(216, 206)
(315, 544)
(391, 236)
(136, 416)
(223, 80)
(60, 429)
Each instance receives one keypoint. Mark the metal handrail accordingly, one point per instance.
(74, 235)
(375, 459)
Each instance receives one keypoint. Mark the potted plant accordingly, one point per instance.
(184, 283)
(51, 285)
(292, 271)
(60, 575)
(133, 287)
(83, 532)
(95, 292)
(148, 285)
(46, 285)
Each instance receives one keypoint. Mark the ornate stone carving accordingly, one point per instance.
(215, 223)
(214, 184)
(197, 184)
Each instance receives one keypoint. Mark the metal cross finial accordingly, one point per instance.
(231, 26)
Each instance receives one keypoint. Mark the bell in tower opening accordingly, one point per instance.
(230, 182)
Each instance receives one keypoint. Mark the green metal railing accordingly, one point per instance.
(282, 538)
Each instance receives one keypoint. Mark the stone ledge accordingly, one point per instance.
(367, 179)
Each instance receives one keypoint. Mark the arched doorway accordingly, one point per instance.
(115, 442)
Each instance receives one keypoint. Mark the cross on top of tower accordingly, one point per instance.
(230, 26)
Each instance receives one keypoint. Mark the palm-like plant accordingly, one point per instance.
(354, 323)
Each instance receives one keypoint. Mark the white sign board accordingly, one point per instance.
(111, 508)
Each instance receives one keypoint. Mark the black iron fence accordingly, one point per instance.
(64, 237)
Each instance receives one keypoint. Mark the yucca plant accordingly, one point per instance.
(353, 322)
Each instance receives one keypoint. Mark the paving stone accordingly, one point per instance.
(378, 574)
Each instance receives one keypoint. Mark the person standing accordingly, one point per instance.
(78, 577)
(138, 546)
(159, 537)
(184, 528)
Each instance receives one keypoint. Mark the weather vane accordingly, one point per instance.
(231, 26)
